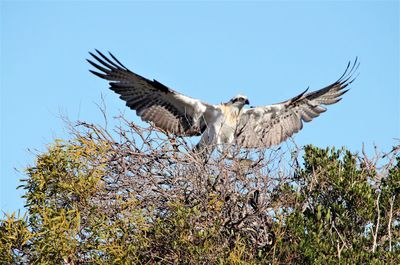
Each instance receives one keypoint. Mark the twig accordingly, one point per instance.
(390, 222)
(375, 235)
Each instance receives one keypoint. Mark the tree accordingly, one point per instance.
(136, 196)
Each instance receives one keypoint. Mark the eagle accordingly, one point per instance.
(221, 124)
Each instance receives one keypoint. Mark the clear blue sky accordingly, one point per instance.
(269, 51)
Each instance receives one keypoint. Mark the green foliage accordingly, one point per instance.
(337, 207)
(338, 213)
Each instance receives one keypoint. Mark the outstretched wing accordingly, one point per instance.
(270, 125)
(154, 102)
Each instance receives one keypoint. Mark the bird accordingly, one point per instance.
(228, 123)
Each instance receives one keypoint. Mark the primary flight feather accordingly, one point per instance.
(225, 123)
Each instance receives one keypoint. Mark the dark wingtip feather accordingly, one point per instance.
(348, 76)
(98, 74)
(111, 62)
(344, 92)
(337, 100)
(94, 56)
(344, 73)
(353, 68)
(350, 69)
(106, 63)
(102, 55)
(98, 67)
(300, 95)
(123, 66)
(352, 80)
(305, 90)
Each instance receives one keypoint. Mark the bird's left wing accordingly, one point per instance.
(270, 125)
(154, 102)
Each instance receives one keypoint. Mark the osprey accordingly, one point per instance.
(225, 123)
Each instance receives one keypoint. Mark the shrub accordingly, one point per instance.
(134, 196)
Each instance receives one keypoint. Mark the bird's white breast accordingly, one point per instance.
(230, 115)
(226, 123)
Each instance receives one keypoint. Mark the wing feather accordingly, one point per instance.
(153, 101)
(270, 125)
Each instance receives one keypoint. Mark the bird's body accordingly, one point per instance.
(225, 123)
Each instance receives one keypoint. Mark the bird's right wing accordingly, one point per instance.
(154, 102)
(270, 125)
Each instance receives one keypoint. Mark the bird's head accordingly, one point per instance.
(239, 101)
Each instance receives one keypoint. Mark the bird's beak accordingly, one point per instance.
(247, 102)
